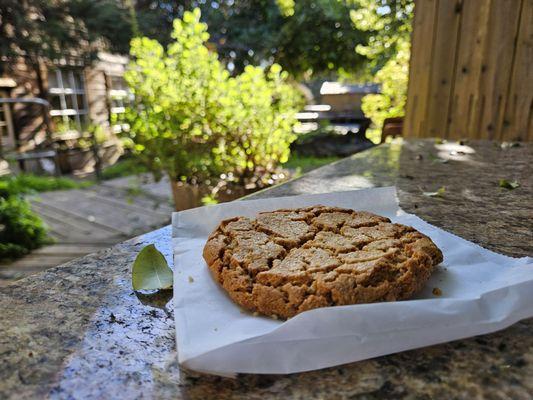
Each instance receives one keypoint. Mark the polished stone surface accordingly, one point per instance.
(79, 331)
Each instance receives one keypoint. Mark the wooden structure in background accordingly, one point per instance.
(471, 71)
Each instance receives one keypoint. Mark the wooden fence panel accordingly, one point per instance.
(470, 73)
(466, 97)
(498, 64)
(518, 119)
(443, 66)
(420, 66)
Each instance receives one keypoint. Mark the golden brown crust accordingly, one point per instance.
(285, 262)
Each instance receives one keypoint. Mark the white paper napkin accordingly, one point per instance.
(482, 292)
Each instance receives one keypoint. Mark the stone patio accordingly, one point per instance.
(84, 221)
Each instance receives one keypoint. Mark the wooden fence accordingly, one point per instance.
(471, 72)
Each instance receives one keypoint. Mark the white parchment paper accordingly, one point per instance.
(482, 292)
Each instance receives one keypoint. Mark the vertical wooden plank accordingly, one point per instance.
(497, 65)
(517, 123)
(465, 99)
(470, 72)
(419, 66)
(443, 67)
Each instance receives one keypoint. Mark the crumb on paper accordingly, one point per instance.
(215, 329)
(255, 314)
(437, 291)
(274, 316)
(191, 279)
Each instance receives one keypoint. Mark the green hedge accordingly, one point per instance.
(194, 121)
(21, 230)
(29, 183)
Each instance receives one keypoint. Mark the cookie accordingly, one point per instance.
(285, 262)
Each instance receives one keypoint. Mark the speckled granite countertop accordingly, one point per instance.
(79, 331)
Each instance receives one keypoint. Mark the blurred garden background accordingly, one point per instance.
(101, 100)
(113, 113)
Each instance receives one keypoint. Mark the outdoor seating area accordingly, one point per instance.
(263, 200)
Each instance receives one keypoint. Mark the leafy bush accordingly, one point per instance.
(21, 230)
(260, 126)
(194, 121)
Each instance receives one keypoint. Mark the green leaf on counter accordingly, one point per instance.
(504, 183)
(439, 193)
(151, 271)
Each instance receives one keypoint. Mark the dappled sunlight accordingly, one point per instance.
(349, 182)
(454, 148)
(354, 182)
(469, 194)
(453, 151)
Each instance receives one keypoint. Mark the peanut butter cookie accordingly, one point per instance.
(285, 262)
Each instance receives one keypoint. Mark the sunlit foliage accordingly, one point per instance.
(388, 23)
(194, 121)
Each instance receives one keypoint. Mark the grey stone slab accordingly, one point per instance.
(146, 182)
(79, 331)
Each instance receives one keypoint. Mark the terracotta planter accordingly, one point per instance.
(187, 196)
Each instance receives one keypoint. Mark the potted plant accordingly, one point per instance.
(192, 121)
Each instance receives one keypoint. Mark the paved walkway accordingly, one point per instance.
(84, 221)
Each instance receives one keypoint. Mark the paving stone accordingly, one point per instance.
(84, 221)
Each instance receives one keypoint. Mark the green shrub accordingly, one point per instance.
(21, 230)
(193, 121)
(260, 128)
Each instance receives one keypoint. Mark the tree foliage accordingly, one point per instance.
(388, 23)
(54, 29)
(306, 37)
(192, 120)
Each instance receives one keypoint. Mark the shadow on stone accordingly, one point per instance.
(156, 299)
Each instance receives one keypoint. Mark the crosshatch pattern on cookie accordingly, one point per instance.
(285, 262)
